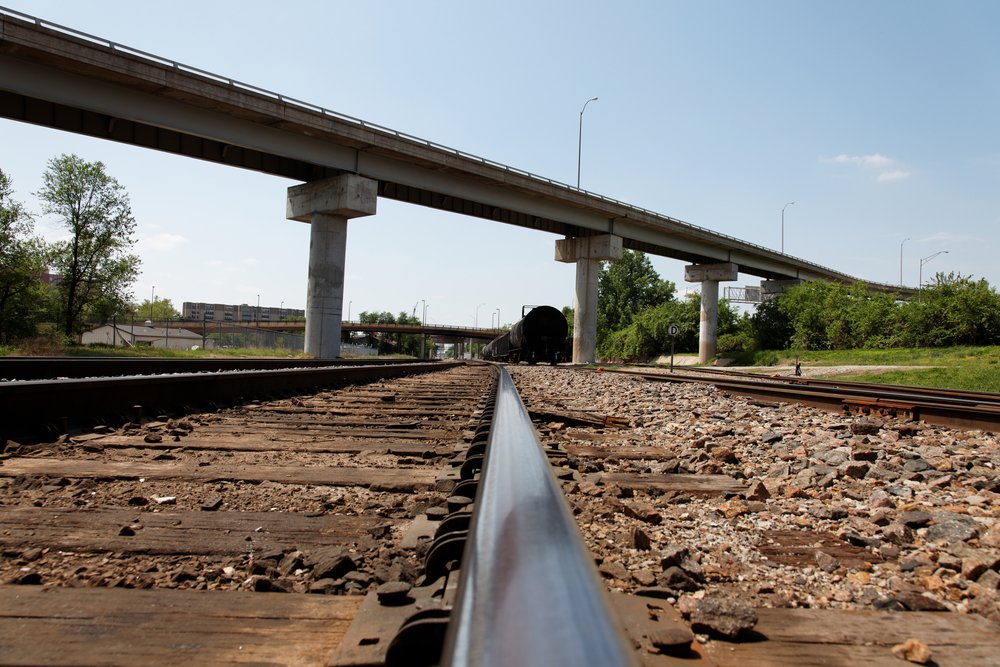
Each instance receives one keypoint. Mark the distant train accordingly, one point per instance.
(538, 336)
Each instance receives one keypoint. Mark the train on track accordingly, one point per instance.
(538, 336)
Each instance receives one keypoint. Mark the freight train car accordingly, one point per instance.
(538, 336)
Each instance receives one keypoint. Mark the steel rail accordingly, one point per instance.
(50, 368)
(868, 390)
(31, 407)
(529, 593)
(974, 397)
(959, 412)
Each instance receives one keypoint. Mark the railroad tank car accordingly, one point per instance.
(538, 336)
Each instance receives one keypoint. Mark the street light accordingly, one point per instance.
(423, 336)
(901, 261)
(920, 287)
(477, 313)
(348, 310)
(152, 298)
(579, 145)
(783, 226)
(281, 312)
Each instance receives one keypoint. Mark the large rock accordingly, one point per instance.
(724, 617)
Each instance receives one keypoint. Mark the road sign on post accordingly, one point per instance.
(673, 331)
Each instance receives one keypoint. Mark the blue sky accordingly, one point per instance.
(879, 120)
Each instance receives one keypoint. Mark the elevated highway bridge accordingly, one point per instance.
(439, 330)
(57, 77)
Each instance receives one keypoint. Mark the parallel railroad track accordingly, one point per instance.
(166, 542)
(942, 407)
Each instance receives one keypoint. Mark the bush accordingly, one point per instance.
(737, 342)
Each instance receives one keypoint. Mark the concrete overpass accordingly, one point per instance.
(56, 77)
(443, 331)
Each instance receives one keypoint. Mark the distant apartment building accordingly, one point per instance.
(242, 313)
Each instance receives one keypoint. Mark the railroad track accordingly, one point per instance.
(412, 520)
(155, 542)
(49, 368)
(941, 407)
(47, 407)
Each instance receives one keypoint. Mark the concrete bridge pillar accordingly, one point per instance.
(327, 205)
(709, 275)
(587, 252)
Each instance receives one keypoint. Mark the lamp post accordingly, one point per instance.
(920, 287)
(783, 226)
(477, 313)
(498, 319)
(256, 333)
(423, 335)
(901, 261)
(579, 145)
(152, 298)
(281, 312)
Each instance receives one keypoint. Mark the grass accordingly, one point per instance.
(962, 368)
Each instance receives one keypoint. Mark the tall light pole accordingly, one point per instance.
(477, 313)
(920, 287)
(281, 312)
(783, 226)
(423, 336)
(901, 261)
(579, 145)
(498, 319)
(348, 310)
(152, 298)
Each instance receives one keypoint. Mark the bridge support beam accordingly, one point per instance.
(709, 275)
(770, 288)
(327, 205)
(587, 252)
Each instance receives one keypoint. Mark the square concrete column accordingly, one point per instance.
(709, 275)
(327, 205)
(587, 252)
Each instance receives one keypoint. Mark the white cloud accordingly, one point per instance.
(946, 237)
(165, 241)
(250, 260)
(876, 162)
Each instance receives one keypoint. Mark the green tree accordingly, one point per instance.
(952, 310)
(625, 288)
(569, 314)
(22, 261)
(162, 309)
(95, 267)
(649, 334)
(771, 326)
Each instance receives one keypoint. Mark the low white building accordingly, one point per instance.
(140, 334)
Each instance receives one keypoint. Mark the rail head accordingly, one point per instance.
(529, 592)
